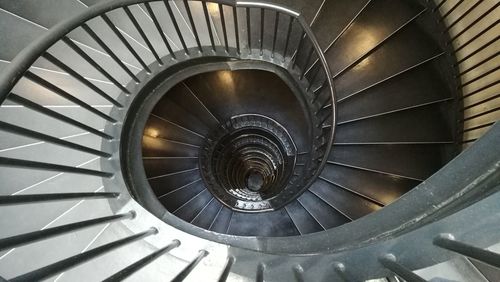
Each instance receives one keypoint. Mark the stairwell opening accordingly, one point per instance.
(221, 142)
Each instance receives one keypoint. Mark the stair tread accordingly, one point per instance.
(327, 216)
(220, 223)
(205, 218)
(26, 32)
(389, 96)
(390, 58)
(155, 167)
(15, 41)
(174, 197)
(383, 19)
(190, 209)
(156, 126)
(346, 202)
(24, 117)
(173, 112)
(333, 18)
(423, 124)
(183, 96)
(50, 13)
(393, 159)
(162, 185)
(273, 223)
(383, 188)
(66, 244)
(302, 219)
(46, 212)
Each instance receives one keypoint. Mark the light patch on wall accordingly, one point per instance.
(227, 79)
(152, 132)
(213, 9)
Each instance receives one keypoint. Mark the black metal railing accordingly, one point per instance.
(296, 54)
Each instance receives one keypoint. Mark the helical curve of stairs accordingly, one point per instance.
(287, 140)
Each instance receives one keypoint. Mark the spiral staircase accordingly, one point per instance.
(287, 140)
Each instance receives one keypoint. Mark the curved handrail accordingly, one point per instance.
(27, 57)
(321, 56)
(34, 50)
(250, 4)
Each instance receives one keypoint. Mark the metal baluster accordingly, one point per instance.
(311, 50)
(209, 26)
(227, 269)
(193, 26)
(389, 262)
(80, 78)
(124, 41)
(44, 83)
(318, 90)
(313, 77)
(34, 106)
(185, 272)
(50, 139)
(301, 42)
(326, 117)
(446, 241)
(143, 35)
(259, 275)
(55, 268)
(9, 162)
(160, 30)
(236, 30)
(287, 41)
(341, 271)
(223, 23)
(36, 198)
(108, 50)
(275, 37)
(262, 24)
(94, 64)
(27, 238)
(176, 26)
(249, 29)
(131, 269)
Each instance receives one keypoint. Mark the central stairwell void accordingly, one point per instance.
(230, 150)
(248, 141)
